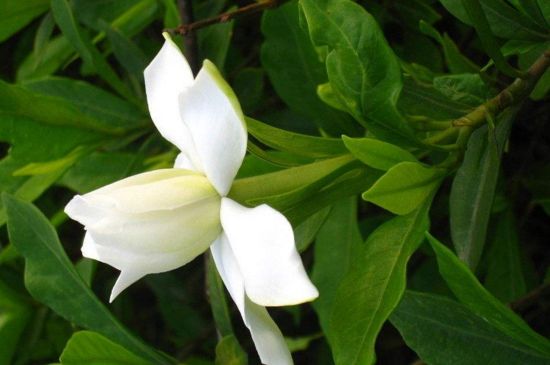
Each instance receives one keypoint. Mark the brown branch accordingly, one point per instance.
(531, 298)
(513, 94)
(189, 27)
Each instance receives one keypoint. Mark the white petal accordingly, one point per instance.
(148, 223)
(166, 189)
(166, 77)
(266, 335)
(183, 162)
(212, 113)
(125, 279)
(262, 241)
(229, 271)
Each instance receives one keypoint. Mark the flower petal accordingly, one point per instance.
(166, 77)
(148, 223)
(267, 337)
(213, 115)
(165, 189)
(262, 241)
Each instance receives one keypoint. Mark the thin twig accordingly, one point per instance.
(517, 91)
(531, 298)
(188, 27)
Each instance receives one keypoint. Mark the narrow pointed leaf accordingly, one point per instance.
(476, 298)
(471, 199)
(373, 287)
(51, 278)
(444, 332)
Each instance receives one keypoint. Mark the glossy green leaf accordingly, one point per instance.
(105, 108)
(404, 187)
(84, 47)
(476, 298)
(229, 352)
(373, 287)
(362, 69)
(295, 69)
(444, 332)
(337, 243)
(378, 154)
(504, 20)
(15, 14)
(505, 278)
(60, 111)
(300, 144)
(420, 98)
(280, 182)
(51, 278)
(489, 42)
(350, 183)
(90, 348)
(467, 89)
(471, 199)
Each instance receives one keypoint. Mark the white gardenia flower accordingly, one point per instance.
(160, 220)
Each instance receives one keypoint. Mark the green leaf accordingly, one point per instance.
(505, 279)
(467, 89)
(362, 69)
(113, 113)
(488, 40)
(504, 20)
(420, 98)
(534, 11)
(90, 348)
(305, 232)
(337, 242)
(404, 187)
(300, 144)
(60, 111)
(444, 332)
(214, 42)
(229, 352)
(378, 154)
(15, 312)
(77, 38)
(295, 70)
(96, 170)
(15, 14)
(471, 199)
(218, 299)
(284, 181)
(51, 278)
(373, 287)
(456, 61)
(58, 51)
(473, 295)
(127, 53)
